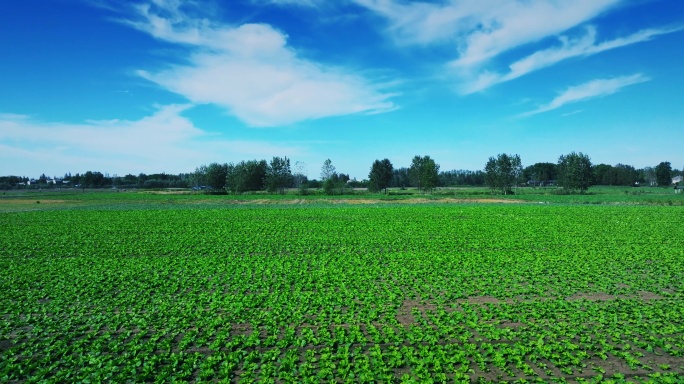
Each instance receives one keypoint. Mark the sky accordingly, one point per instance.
(168, 85)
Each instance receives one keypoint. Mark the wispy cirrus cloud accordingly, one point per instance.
(164, 140)
(481, 31)
(569, 48)
(589, 90)
(251, 71)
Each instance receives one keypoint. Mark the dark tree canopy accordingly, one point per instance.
(575, 172)
(380, 175)
(664, 173)
(503, 172)
(246, 176)
(461, 177)
(278, 174)
(216, 176)
(424, 173)
(540, 173)
(620, 174)
(400, 178)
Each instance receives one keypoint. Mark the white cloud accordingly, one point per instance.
(569, 48)
(163, 141)
(591, 89)
(250, 71)
(481, 30)
(572, 113)
(12, 116)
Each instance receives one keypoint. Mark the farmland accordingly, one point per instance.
(169, 290)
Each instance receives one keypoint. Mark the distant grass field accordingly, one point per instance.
(456, 286)
(73, 199)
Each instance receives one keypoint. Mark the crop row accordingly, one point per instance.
(375, 293)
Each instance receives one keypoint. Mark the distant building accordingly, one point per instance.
(677, 180)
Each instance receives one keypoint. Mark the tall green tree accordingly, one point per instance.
(246, 176)
(380, 175)
(329, 177)
(216, 176)
(278, 174)
(503, 172)
(327, 170)
(664, 174)
(424, 173)
(575, 172)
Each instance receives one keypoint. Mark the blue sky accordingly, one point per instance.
(168, 85)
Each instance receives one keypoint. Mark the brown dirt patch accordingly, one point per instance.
(481, 300)
(594, 296)
(649, 295)
(242, 329)
(405, 313)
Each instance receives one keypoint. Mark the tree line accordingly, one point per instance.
(94, 179)
(502, 174)
(573, 172)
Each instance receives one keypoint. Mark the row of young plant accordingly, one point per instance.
(310, 294)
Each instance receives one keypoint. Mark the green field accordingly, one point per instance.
(141, 287)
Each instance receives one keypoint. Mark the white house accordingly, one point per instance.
(677, 179)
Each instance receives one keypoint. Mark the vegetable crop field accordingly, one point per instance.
(311, 293)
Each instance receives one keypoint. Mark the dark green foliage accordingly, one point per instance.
(278, 175)
(664, 173)
(424, 173)
(246, 176)
(340, 293)
(329, 186)
(461, 177)
(575, 172)
(503, 172)
(333, 183)
(540, 174)
(380, 175)
(620, 174)
(400, 178)
(216, 176)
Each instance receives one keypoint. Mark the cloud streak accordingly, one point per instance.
(251, 71)
(569, 48)
(589, 90)
(481, 30)
(165, 140)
